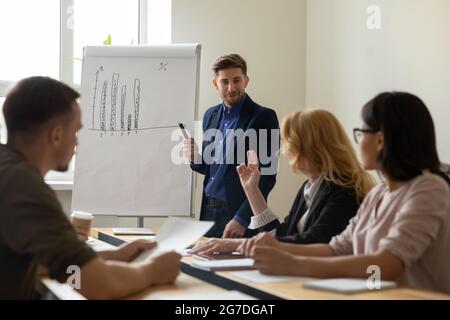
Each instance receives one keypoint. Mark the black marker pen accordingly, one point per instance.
(185, 134)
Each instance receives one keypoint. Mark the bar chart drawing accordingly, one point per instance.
(95, 96)
(115, 87)
(137, 102)
(103, 106)
(123, 99)
(118, 97)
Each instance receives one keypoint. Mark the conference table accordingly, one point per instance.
(194, 280)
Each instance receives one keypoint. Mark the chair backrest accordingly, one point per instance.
(446, 169)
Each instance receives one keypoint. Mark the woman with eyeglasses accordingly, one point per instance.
(317, 146)
(402, 226)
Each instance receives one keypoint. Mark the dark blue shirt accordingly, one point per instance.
(215, 188)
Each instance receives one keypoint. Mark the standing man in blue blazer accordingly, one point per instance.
(230, 129)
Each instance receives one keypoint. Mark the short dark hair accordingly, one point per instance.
(230, 61)
(33, 101)
(409, 135)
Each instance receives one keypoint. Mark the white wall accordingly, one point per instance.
(65, 197)
(347, 64)
(271, 36)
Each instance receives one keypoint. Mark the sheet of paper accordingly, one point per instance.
(226, 264)
(256, 276)
(177, 234)
(344, 285)
(185, 252)
(62, 290)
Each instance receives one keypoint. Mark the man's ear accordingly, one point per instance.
(247, 80)
(55, 134)
(214, 83)
(380, 141)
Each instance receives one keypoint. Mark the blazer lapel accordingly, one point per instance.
(244, 117)
(215, 118)
(213, 124)
(321, 194)
(292, 227)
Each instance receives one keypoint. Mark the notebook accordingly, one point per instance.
(258, 277)
(133, 231)
(224, 265)
(346, 285)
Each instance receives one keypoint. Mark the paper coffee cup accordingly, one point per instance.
(81, 222)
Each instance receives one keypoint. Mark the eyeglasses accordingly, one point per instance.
(359, 133)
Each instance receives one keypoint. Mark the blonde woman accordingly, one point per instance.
(317, 146)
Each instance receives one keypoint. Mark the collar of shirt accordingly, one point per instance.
(310, 190)
(235, 110)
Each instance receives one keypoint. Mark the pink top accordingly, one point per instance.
(413, 223)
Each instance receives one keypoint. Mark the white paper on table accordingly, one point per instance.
(176, 234)
(185, 252)
(346, 285)
(225, 264)
(256, 276)
(62, 290)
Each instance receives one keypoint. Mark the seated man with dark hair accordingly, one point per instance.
(42, 117)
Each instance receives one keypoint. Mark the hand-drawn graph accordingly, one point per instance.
(123, 100)
(103, 106)
(108, 109)
(115, 87)
(137, 102)
(123, 157)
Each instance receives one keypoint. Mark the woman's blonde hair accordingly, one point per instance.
(317, 136)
